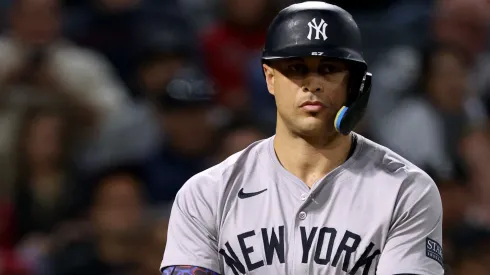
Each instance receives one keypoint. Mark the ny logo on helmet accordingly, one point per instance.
(320, 29)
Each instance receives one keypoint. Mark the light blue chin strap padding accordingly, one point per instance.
(338, 118)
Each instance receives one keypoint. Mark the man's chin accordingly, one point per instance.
(315, 127)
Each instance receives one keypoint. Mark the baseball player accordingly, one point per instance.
(315, 198)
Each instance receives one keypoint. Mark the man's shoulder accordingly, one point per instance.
(410, 184)
(68, 53)
(385, 160)
(217, 177)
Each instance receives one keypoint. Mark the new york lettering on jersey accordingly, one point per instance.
(317, 248)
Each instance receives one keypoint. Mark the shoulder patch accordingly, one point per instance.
(433, 250)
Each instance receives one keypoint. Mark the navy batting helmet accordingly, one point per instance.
(324, 30)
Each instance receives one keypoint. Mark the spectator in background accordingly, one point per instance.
(116, 28)
(45, 181)
(45, 174)
(107, 26)
(230, 43)
(237, 137)
(185, 111)
(34, 36)
(475, 149)
(441, 106)
(106, 245)
(149, 252)
(136, 133)
(163, 54)
(463, 24)
(40, 67)
(466, 24)
(466, 215)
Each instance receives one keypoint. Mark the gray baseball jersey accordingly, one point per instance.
(375, 214)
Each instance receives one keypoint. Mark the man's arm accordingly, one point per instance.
(192, 239)
(186, 269)
(414, 243)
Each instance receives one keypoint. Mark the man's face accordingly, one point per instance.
(308, 93)
(156, 75)
(448, 78)
(463, 23)
(118, 205)
(36, 22)
(189, 130)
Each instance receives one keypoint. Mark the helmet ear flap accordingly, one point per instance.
(348, 116)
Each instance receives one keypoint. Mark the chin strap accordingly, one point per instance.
(348, 117)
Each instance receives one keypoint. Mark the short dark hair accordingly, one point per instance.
(133, 170)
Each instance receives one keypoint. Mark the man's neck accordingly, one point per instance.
(311, 160)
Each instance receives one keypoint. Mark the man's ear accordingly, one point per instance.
(269, 77)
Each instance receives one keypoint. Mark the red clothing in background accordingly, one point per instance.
(10, 263)
(227, 52)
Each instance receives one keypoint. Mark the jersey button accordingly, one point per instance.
(302, 215)
(304, 197)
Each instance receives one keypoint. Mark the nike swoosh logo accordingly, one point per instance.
(243, 195)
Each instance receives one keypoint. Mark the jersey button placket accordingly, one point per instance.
(302, 220)
(304, 196)
(302, 215)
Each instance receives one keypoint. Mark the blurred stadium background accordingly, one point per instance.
(108, 106)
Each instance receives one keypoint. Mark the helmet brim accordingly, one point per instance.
(312, 51)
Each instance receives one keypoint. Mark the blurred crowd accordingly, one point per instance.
(108, 106)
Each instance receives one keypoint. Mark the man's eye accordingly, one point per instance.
(329, 69)
(297, 68)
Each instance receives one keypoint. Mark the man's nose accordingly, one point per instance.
(313, 83)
